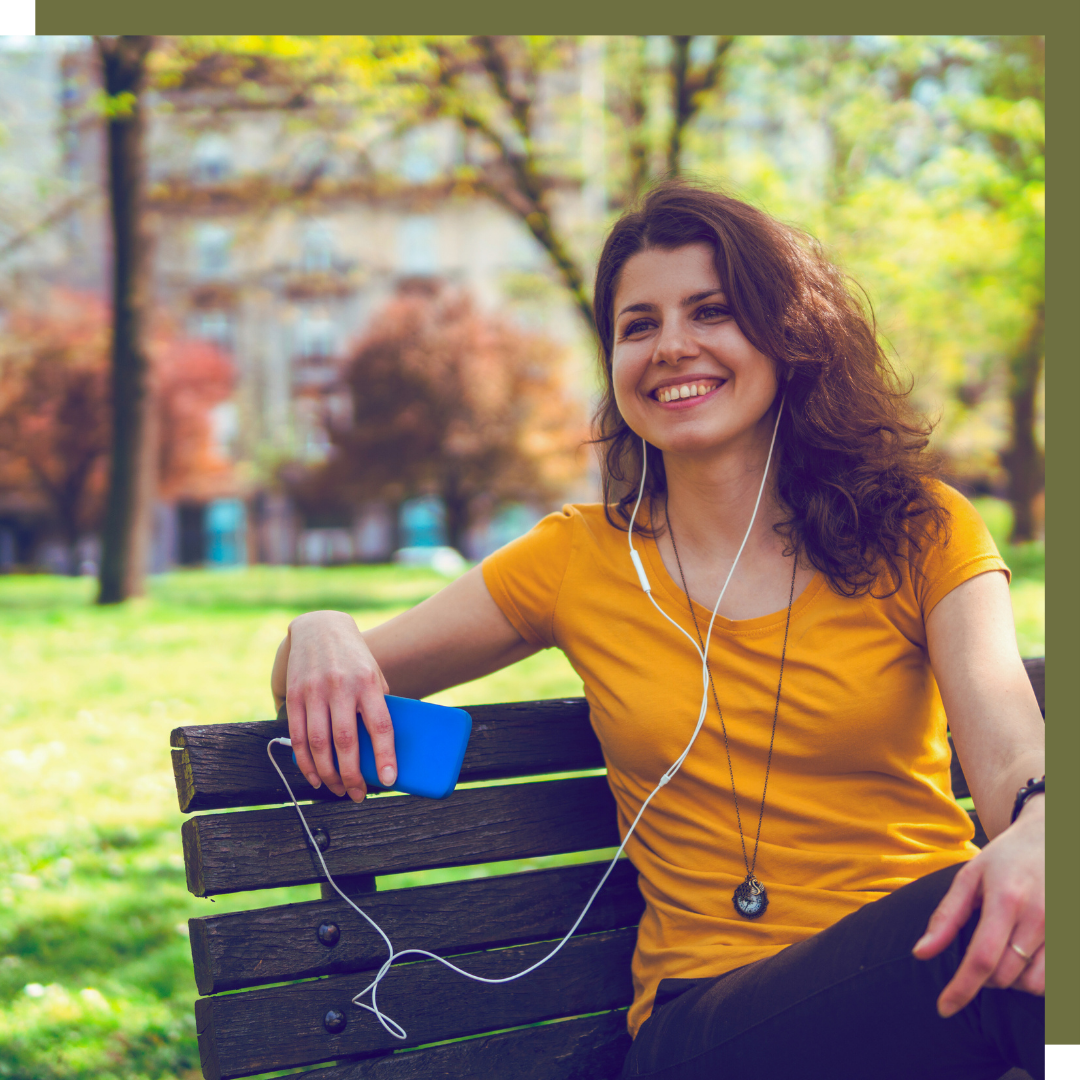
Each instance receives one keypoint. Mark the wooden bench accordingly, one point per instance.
(278, 981)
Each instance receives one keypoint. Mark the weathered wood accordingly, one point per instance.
(587, 1048)
(1036, 671)
(282, 1027)
(252, 948)
(262, 849)
(217, 766)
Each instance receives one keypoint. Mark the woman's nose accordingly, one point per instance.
(674, 343)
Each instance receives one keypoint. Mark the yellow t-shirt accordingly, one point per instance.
(859, 798)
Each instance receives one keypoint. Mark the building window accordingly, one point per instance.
(317, 248)
(212, 159)
(225, 429)
(213, 254)
(417, 246)
(213, 325)
(315, 335)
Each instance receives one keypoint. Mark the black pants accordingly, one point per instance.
(850, 1003)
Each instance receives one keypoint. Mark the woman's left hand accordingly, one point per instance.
(1007, 879)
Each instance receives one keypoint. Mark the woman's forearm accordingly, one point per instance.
(996, 726)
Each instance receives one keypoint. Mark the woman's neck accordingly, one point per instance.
(710, 500)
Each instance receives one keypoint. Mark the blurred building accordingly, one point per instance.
(275, 240)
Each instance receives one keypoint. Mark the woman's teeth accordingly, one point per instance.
(671, 393)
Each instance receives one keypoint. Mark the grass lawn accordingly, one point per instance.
(95, 970)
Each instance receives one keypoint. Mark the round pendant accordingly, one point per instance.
(750, 898)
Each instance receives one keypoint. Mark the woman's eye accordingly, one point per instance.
(712, 311)
(636, 327)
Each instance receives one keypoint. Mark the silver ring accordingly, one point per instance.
(1020, 952)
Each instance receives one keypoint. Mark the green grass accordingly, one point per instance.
(95, 970)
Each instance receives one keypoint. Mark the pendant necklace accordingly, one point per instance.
(750, 898)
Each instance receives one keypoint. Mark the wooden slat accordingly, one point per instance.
(282, 1027)
(587, 1048)
(262, 849)
(253, 948)
(217, 766)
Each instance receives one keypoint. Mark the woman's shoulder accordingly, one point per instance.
(961, 523)
(956, 547)
(597, 519)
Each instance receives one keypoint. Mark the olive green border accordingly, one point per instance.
(1062, 522)
(1061, 25)
(473, 16)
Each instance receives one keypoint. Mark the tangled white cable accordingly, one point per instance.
(392, 1026)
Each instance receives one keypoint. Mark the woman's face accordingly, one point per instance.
(685, 377)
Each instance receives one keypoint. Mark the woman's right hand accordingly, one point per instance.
(325, 672)
(326, 675)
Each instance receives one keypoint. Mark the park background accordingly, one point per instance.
(361, 268)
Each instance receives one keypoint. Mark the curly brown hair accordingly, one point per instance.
(851, 470)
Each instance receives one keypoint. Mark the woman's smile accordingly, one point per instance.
(686, 393)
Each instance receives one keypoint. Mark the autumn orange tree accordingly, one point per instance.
(56, 411)
(450, 402)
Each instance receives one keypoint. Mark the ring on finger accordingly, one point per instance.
(1026, 957)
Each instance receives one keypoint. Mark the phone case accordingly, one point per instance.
(429, 741)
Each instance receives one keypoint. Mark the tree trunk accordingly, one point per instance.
(1024, 459)
(680, 100)
(127, 510)
(688, 90)
(456, 507)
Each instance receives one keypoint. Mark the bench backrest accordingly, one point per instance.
(496, 925)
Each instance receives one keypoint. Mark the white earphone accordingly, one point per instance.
(392, 1026)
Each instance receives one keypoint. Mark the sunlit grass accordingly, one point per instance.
(95, 969)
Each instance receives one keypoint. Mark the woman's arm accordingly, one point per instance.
(326, 671)
(998, 734)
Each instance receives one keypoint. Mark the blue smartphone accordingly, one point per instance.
(429, 741)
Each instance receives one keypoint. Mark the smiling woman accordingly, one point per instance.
(747, 295)
(778, 613)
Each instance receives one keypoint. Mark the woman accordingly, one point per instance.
(814, 906)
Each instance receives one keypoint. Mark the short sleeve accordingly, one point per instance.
(963, 550)
(526, 576)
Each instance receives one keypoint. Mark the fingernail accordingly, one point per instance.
(388, 774)
(316, 783)
(921, 942)
(356, 794)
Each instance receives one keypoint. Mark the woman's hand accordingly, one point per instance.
(330, 675)
(326, 673)
(1007, 879)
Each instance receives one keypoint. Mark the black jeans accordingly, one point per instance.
(850, 1003)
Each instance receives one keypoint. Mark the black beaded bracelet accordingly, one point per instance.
(1032, 787)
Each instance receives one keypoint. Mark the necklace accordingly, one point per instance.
(750, 898)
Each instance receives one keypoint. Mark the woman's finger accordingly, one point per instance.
(954, 910)
(321, 743)
(347, 743)
(297, 716)
(1012, 964)
(981, 959)
(1032, 979)
(376, 718)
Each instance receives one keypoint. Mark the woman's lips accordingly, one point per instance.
(690, 400)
